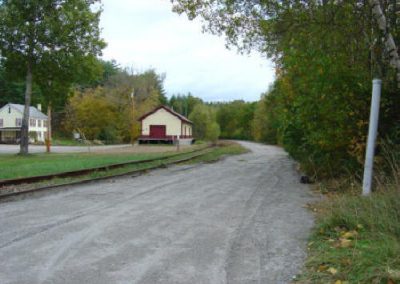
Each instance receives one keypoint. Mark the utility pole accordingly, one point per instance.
(372, 134)
(132, 95)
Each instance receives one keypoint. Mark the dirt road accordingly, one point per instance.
(240, 220)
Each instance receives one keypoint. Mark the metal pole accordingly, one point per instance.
(372, 133)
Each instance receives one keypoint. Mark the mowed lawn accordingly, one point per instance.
(14, 166)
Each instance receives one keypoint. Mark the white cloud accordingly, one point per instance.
(145, 33)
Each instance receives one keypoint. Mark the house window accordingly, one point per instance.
(1, 122)
(39, 123)
(9, 109)
(44, 123)
(18, 122)
(32, 122)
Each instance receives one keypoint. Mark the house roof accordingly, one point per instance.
(178, 115)
(33, 112)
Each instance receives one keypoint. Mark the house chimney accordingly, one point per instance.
(39, 107)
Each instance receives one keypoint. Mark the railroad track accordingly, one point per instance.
(15, 182)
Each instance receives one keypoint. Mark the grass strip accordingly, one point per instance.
(210, 154)
(356, 240)
(15, 166)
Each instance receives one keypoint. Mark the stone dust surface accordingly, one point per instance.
(240, 220)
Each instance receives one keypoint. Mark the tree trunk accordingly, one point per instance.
(390, 45)
(48, 138)
(25, 121)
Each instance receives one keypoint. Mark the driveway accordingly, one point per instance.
(240, 220)
(14, 149)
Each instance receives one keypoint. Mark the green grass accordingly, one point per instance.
(14, 166)
(99, 174)
(58, 141)
(356, 240)
(210, 155)
(223, 149)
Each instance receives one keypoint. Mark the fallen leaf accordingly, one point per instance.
(332, 270)
(322, 267)
(350, 235)
(345, 261)
(394, 274)
(338, 282)
(344, 243)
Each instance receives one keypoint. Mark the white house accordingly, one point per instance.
(165, 125)
(11, 121)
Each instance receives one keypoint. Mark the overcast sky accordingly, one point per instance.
(146, 34)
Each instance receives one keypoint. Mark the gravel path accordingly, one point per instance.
(240, 220)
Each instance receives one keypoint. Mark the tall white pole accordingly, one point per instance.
(372, 133)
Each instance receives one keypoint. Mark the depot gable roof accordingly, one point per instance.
(178, 115)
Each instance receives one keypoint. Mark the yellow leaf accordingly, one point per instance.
(350, 235)
(332, 270)
(322, 267)
(344, 243)
(345, 261)
(338, 282)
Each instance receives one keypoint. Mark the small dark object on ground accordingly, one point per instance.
(306, 180)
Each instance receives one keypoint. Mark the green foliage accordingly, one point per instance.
(204, 123)
(265, 123)
(48, 34)
(48, 41)
(12, 89)
(90, 114)
(200, 117)
(184, 104)
(212, 132)
(325, 54)
(110, 113)
(235, 119)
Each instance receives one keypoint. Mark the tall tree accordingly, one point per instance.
(184, 104)
(384, 27)
(326, 53)
(205, 123)
(268, 25)
(46, 36)
(10, 90)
